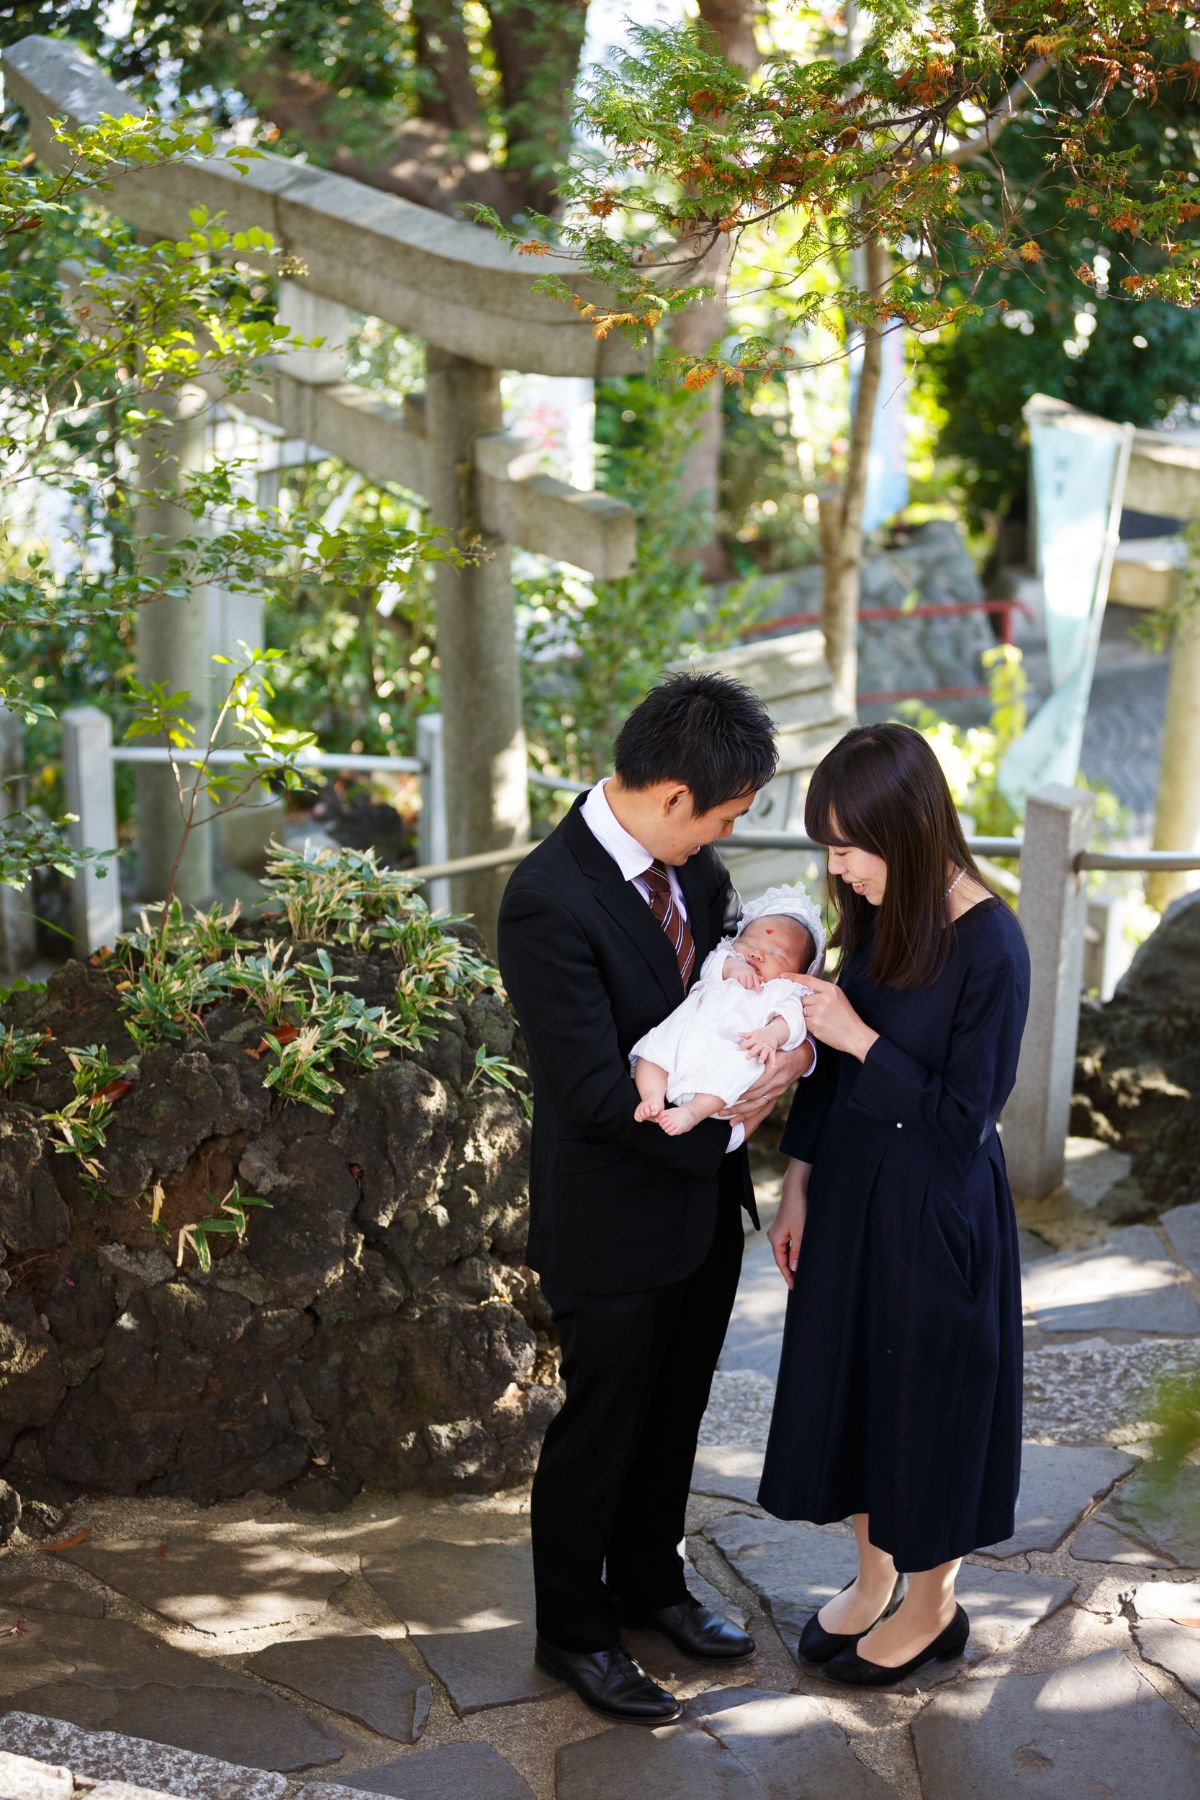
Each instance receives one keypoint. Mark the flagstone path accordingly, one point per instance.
(250, 1652)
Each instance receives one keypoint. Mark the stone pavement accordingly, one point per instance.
(249, 1652)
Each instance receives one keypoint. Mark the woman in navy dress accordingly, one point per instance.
(899, 1397)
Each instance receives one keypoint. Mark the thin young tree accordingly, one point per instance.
(876, 151)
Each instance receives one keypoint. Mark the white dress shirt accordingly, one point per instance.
(633, 859)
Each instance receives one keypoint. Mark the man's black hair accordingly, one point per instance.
(704, 730)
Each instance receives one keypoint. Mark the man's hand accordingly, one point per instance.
(758, 1100)
(751, 1120)
(739, 970)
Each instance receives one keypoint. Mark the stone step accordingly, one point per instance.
(1126, 1283)
(48, 1759)
(23, 1778)
(137, 1763)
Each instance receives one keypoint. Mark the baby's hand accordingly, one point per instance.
(761, 1045)
(739, 970)
(648, 1109)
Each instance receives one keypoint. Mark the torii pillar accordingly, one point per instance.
(483, 737)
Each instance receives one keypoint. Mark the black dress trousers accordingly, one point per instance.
(612, 1483)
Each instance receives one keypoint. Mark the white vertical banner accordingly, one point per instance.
(1079, 465)
(887, 458)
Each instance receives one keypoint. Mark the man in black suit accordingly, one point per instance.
(637, 1236)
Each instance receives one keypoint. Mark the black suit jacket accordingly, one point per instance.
(614, 1206)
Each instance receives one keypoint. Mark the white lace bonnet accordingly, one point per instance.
(792, 902)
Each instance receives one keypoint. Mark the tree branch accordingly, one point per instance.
(1023, 89)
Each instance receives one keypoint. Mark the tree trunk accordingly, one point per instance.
(440, 157)
(842, 509)
(697, 331)
(537, 53)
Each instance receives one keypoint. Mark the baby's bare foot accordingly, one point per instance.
(649, 1108)
(676, 1120)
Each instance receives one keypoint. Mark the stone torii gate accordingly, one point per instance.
(471, 300)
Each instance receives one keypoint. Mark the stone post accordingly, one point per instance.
(487, 798)
(16, 907)
(431, 831)
(172, 646)
(1053, 912)
(88, 783)
(1177, 813)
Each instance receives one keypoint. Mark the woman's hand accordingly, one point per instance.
(758, 1100)
(787, 1227)
(830, 1017)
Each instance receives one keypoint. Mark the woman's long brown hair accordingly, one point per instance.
(881, 789)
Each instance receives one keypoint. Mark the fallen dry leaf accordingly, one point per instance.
(76, 1537)
(116, 1090)
(283, 1034)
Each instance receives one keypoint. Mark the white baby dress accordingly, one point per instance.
(697, 1044)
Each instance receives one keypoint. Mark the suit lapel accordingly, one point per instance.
(621, 900)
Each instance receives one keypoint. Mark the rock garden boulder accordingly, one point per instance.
(1137, 1077)
(239, 1288)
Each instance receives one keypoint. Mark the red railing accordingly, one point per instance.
(932, 610)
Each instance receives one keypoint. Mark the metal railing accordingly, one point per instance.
(1054, 905)
(89, 755)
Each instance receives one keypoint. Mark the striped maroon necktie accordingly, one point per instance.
(662, 905)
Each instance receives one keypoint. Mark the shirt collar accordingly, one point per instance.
(632, 858)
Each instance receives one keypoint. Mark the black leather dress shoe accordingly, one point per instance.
(856, 1671)
(611, 1682)
(694, 1629)
(817, 1645)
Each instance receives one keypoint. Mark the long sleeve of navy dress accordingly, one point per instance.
(900, 1376)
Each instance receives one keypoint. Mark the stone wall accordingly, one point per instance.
(377, 1324)
(933, 567)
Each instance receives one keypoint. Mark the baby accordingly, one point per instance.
(744, 1008)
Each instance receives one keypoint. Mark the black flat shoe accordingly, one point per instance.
(856, 1671)
(611, 1682)
(817, 1645)
(694, 1629)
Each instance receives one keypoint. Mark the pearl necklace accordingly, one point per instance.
(955, 882)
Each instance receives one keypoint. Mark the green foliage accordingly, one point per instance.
(503, 1074)
(1175, 1412)
(881, 144)
(104, 365)
(592, 648)
(195, 1236)
(1075, 323)
(20, 1054)
(970, 756)
(359, 664)
(170, 973)
(1159, 628)
(486, 82)
(166, 995)
(78, 1129)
